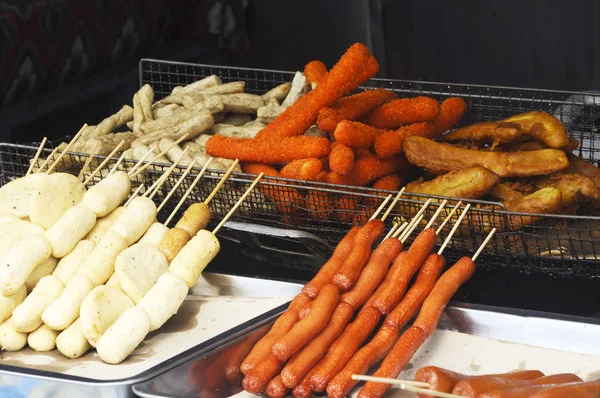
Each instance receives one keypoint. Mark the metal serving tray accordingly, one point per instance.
(470, 339)
(217, 304)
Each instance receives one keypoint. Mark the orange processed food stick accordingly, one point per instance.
(303, 331)
(373, 273)
(348, 273)
(389, 143)
(334, 178)
(286, 149)
(344, 347)
(444, 380)
(418, 292)
(353, 107)
(257, 378)
(370, 168)
(376, 349)
(303, 389)
(588, 389)
(390, 182)
(315, 72)
(474, 387)
(262, 348)
(305, 310)
(356, 135)
(325, 274)
(283, 197)
(319, 205)
(368, 72)
(340, 80)
(302, 169)
(301, 363)
(441, 294)
(275, 388)
(341, 158)
(395, 361)
(403, 111)
(403, 270)
(452, 111)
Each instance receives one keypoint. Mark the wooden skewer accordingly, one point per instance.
(163, 178)
(36, 157)
(116, 166)
(104, 162)
(389, 209)
(69, 145)
(139, 162)
(87, 163)
(410, 224)
(437, 232)
(436, 214)
(237, 204)
(400, 230)
(134, 194)
(161, 153)
(454, 227)
(220, 184)
(381, 206)
(394, 228)
(386, 380)
(188, 192)
(412, 228)
(179, 181)
(47, 159)
(485, 242)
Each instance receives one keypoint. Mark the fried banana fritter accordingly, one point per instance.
(471, 183)
(542, 126)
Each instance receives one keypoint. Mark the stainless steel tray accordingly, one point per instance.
(470, 339)
(217, 307)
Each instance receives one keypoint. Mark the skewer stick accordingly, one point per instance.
(394, 228)
(37, 155)
(69, 145)
(163, 178)
(420, 212)
(188, 192)
(161, 153)
(437, 232)
(87, 163)
(386, 380)
(436, 214)
(381, 206)
(485, 242)
(220, 184)
(454, 227)
(134, 194)
(47, 159)
(179, 181)
(412, 228)
(116, 166)
(389, 210)
(104, 162)
(139, 162)
(399, 231)
(237, 204)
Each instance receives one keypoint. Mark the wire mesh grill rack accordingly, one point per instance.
(535, 243)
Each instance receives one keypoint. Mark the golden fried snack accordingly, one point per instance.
(270, 111)
(471, 183)
(542, 126)
(124, 115)
(439, 158)
(544, 201)
(533, 145)
(104, 145)
(191, 127)
(496, 132)
(503, 192)
(279, 92)
(576, 190)
(142, 107)
(579, 166)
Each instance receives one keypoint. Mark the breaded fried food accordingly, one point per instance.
(576, 190)
(504, 192)
(471, 183)
(542, 126)
(439, 158)
(544, 201)
(579, 166)
(494, 132)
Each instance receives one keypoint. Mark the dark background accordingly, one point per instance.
(550, 44)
